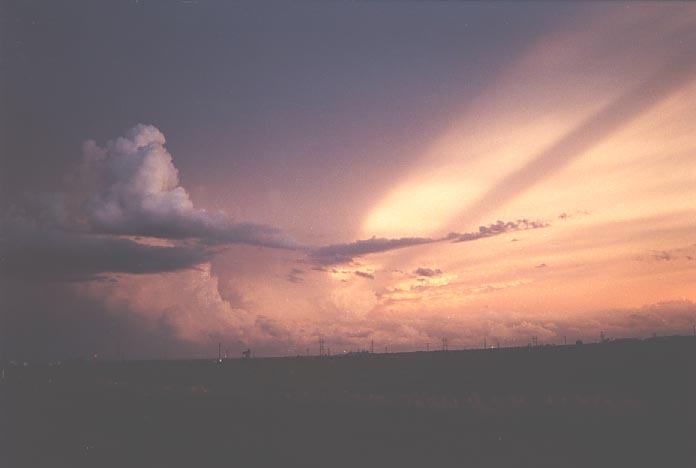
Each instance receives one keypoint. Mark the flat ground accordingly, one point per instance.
(614, 404)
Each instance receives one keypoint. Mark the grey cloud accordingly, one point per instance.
(272, 328)
(669, 255)
(344, 253)
(564, 216)
(663, 255)
(51, 255)
(132, 188)
(422, 271)
(295, 276)
(497, 228)
(365, 274)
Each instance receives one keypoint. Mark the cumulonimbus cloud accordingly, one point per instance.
(126, 189)
(138, 193)
(130, 187)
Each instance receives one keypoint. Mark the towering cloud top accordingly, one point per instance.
(136, 191)
(129, 187)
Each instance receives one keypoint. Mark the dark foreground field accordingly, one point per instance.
(614, 404)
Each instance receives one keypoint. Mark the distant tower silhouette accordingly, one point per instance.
(321, 346)
(219, 352)
(372, 346)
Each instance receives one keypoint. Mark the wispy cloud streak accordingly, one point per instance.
(345, 253)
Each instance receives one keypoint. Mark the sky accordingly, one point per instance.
(174, 175)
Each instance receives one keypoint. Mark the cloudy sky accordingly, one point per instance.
(178, 174)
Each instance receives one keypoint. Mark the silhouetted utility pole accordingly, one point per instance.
(484, 343)
(321, 346)
(372, 346)
(219, 352)
(444, 343)
(601, 337)
(565, 342)
(307, 351)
